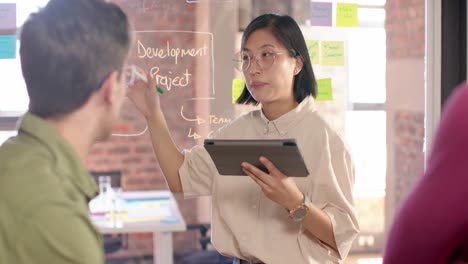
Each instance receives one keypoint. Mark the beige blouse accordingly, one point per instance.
(248, 225)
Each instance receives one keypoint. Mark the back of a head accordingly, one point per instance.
(67, 49)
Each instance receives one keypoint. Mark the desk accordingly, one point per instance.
(148, 212)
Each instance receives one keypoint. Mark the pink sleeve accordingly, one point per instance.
(432, 222)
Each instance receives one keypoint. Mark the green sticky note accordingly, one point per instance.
(332, 53)
(237, 88)
(313, 48)
(346, 15)
(324, 90)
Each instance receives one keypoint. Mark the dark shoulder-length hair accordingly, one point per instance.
(287, 31)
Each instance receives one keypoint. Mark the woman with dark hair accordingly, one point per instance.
(268, 217)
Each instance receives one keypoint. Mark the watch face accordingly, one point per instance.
(299, 214)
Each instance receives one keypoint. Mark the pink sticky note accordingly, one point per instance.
(8, 16)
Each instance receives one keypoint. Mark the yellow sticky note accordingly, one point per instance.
(313, 48)
(237, 88)
(324, 90)
(346, 15)
(332, 53)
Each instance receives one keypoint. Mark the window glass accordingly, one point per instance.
(367, 65)
(4, 135)
(13, 95)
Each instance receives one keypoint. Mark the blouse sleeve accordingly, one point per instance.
(197, 172)
(332, 192)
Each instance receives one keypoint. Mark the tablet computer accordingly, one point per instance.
(228, 154)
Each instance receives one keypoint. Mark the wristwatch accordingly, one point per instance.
(300, 212)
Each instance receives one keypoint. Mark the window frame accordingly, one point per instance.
(369, 242)
(8, 120)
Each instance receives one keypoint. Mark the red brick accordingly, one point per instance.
(405, 26)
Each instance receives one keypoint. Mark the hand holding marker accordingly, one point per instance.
(143, 78)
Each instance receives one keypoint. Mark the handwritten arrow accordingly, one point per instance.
(198, 119)
(193, 134)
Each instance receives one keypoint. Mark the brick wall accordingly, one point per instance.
(404, 25)
(298, 9)
(405, 29)
(134, 155)
(270, 6)
(409, 156)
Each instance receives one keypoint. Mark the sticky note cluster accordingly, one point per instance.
(321, 14)
(326, 53)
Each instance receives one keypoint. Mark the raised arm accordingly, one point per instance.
(145, 97)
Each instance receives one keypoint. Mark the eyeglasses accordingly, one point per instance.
(265, 59)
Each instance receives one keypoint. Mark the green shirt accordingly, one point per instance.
(44, 194)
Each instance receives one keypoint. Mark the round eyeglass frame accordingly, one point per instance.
(238, 62)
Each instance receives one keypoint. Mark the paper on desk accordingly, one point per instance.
(148, 213)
